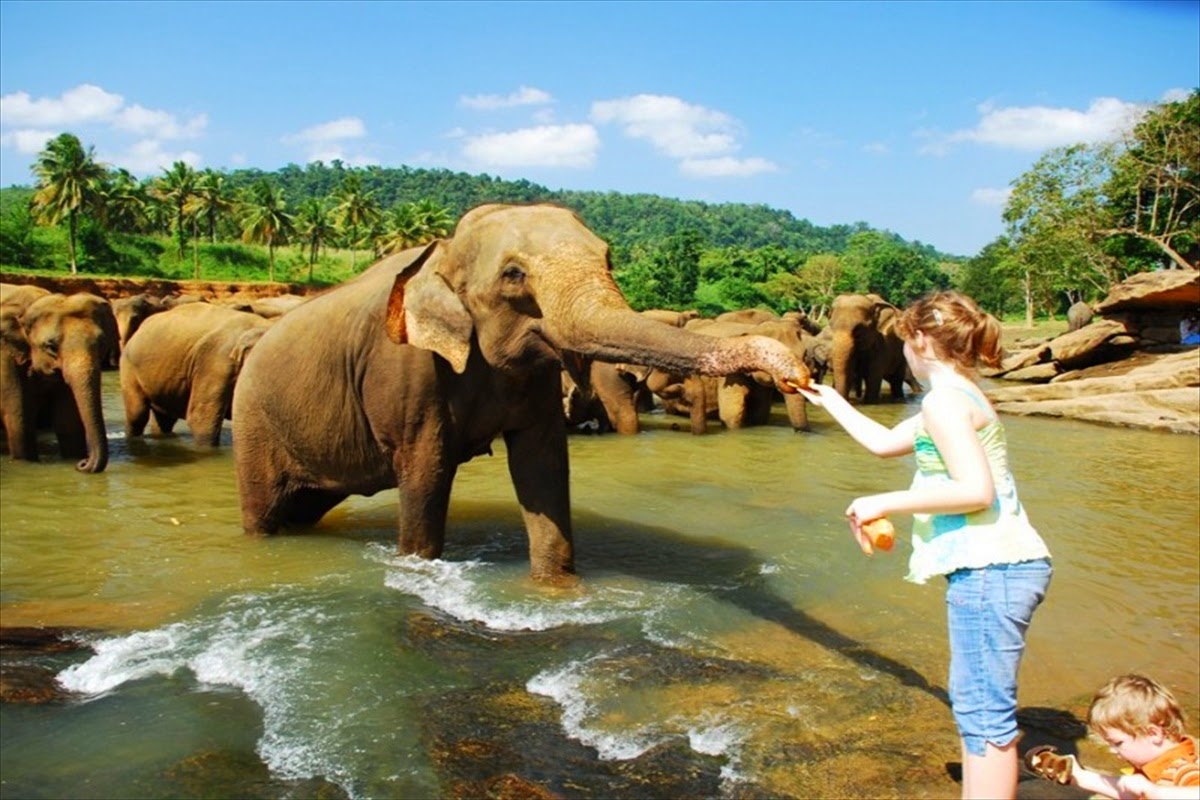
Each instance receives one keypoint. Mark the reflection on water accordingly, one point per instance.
(724, 615)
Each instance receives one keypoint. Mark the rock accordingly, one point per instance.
(1088, 345)
(1149, 390)
(1171, 288)
(1035, 373)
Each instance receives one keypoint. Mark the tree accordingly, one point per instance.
(174, 189)
(354, 209)
(314, 226)
(675, 269)
(123, 202)
(209, 200)
(265, 219)
(993, 277)
(1154, 191)
(68, 182)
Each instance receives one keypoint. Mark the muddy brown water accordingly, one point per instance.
(727, 640)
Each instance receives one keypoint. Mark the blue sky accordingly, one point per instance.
(912, 117)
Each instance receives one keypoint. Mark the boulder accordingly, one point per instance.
(1148, 390)
(1177, 289)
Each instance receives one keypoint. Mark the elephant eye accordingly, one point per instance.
(50, 346)
(513, 274)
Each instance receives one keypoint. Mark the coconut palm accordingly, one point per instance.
(68, 182)
(175, 188)
(209, 201)
(400, 231)
(355, 209)
(124, 202)
(314, 227)
(265, 219)
(435, 221)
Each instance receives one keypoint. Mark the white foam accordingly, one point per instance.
(129, 658)
(461, 589)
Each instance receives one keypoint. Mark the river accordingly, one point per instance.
(727, 638)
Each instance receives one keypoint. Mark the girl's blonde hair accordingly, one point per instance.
(961, 332)
(1133, 703)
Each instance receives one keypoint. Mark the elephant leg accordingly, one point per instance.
(307, 506)
(694, 390)
(537, 463)
(425, 474)
(262, 492)
(207, 408)
(67, 424)
(733, 399)
(137, 406)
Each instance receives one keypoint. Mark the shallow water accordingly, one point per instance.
(727, 632)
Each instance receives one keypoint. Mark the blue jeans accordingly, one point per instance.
(988, 611)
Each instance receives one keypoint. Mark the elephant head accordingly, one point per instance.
(859, 345)
(70, 339)
(526, 283)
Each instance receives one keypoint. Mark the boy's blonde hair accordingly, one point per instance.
(1133, 703)
(961, 332)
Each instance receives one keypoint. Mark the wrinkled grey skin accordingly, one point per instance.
(130, 312)
(183, 364)
(1079, 315)
(69, 339)
(866, 347)
(396, 377)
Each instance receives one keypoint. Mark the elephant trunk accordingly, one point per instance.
(84, 384)
(614, 332)
(842, 361)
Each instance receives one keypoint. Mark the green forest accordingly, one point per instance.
(1083, 218)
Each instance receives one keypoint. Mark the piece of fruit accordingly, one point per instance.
(881, 532)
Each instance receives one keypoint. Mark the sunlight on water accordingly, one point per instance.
(723, 610)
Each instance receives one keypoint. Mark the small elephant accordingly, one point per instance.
(866, 346)
(130, 313)
(1079, 315)
(183, 364)
(55, 347)
(396, 377)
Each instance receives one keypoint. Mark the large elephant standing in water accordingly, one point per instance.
(68, 340)
(865, 346)
(396, 377)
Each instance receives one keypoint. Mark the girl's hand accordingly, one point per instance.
(815, 393)
(863, 509)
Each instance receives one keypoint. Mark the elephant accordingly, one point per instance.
(131, 312)
(1079, 315)
(865, 346)
(750, 316)
(67, 341)
(399, 375)
(183, 364)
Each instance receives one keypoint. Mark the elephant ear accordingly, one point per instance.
(425, 311)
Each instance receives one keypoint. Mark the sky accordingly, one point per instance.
(914, 117)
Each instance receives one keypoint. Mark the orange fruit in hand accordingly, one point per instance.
(881, 532)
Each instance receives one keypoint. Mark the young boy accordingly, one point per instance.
(1143, 724)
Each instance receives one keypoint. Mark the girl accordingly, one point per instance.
(968, 524)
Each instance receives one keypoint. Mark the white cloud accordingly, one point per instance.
(991, 198)
(725, 167)
(84, 103)
(541, 146)
(335, 130)
(1036, 128)
(679, 129)
(143, 121)
(1176, 95)
(876, 148)
(28, 141)
(148, 156)
(524, 96)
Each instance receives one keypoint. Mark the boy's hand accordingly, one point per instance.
(1134, 787)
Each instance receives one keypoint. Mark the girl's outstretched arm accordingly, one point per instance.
(880, 440)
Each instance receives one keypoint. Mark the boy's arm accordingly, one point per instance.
(1138, 785)
(1107, 785)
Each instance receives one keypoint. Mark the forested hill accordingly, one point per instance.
(626, 221)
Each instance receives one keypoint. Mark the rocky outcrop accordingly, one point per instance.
(1125, 368)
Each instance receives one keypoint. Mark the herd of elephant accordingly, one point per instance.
(511, 327)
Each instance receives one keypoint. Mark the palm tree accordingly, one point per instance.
(69, 180)
(265, 219)
(175, 188)
(435, 221)
(400, 232)
(124, 202)
(314, 226)
(210, 200)
(354, 210)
